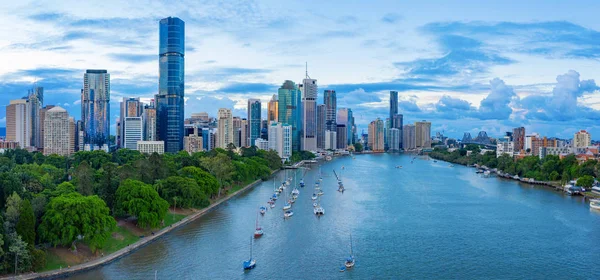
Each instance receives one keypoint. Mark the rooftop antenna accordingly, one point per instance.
(307, 76)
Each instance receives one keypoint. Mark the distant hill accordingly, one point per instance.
(2, 132)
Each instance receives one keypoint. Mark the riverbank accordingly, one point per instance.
(135, 246)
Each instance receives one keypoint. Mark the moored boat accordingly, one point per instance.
(288, 214)
(251, 263)
(262, 210)
(595, 204)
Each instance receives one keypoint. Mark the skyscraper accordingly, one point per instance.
(280, 139)
(351, 128)
(254, 117)
(330, 101)
(133, 132)
(341, 137)
(376, 135)
(394, 135)
(36, 99)
(290, 111)
(18, 123)
(397, 121)
(423, 134)
(309, 120)
(170, 97)
(42, 117)
(321, 116)
(237, 131)
(225, 128)
(149, 118)
(409, 137)
(518, 139)
(95, 109)
(58, 136)
(130, 107)
(273, 109)
(393, 105)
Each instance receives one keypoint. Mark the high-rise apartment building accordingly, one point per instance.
(254, 118)
(394, 139)
(582, 139)
(95, 109)
(133, 132)
(397, 121)
(330, 140)
(423, 134)
(149, 118)
(280, 139)
(18, 123)
(42, 117)
(341, 137)
(376, 135)
(170, 98)
(273, 109)
(518, 139)
(409, 137)
(35, 99)
(130, 107)
(225, 128)
(309, 91)
(290, 111)
(58, 136)
(330, 101)
(321, 118)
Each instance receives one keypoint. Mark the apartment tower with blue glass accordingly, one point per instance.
(290, 111)
(254, 118)
(169, 100)
(95, 109)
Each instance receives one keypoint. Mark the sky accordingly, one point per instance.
(466, 66)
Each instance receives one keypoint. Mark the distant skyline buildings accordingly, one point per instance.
(290, 111)
(35, 98)
(171, 73)
(330, 101)
(254, 119)
(95, 109)
(309, 90)
(59, 138)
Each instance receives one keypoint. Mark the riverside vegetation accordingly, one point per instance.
(99, 202)
(550, 169)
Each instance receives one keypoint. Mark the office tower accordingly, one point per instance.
(35, 98)
(225, 128)
(170, 97)
(280, 139)
(342, 116)
(330, 140)
(582, 139)
(133, 132)
(394, 135)
(409, 137)
(254, 117)
(244, 134)
(518, 139)
(150, 147)
(79, 137)
(192, 142)
(18, 123)
(345, 116)
(393, 105)
(95, 109)
(330, 101)
(342, 137)
(264, 129)
(72, 135)
(149, 118)
(273, 109)
(237, 131)
(376, 135)
(130, 107)
(423, 134)
(208, 139)
(119, 136)
(309, 91)
(290, 111)
(42, 117)
(386, 133)
(321, 118)
(397, 121)
(57, 139)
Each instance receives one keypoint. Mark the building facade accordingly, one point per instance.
(582, 139)
(409, 137)
(518, 136)
(225, 128)
(330, 101)
(321, 116)
(149, 118)
(261, 144)
(423, 134)
(18, 123)
(95, 109)
(254, 118)
(280, 139)
(150, 147)
(170, 98)
(341, 137)
(35, 98)
(505, 146)
(133, 132)
(290, 111)
(309, 91)
(58, 136)
(393, 105)
(130, 107)
(376, 135)
(273, 109)
(394, 140)
(42, 116)
(330, 140)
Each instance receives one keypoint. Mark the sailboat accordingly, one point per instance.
(258, 232)
(319, 211)
(288, 204)
(262, 210)
(302, 183)
(350, 260)
(251, 263)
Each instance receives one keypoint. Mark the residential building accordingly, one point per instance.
(330, 140)
(193, 142)
(95, 109)
(290, 111)
(261, 144)
(273, 109)
(582, 139)
(351, 128)
(237, 131)
(264, 129)
(130, 107)
(556, 151)
(518, 136)
(321, 116)
(394, 140)
(225, 128)
(57, 139)
(18, 123)
(376, 135)
(72, 135)
(309, 92)
(35, 98)
(149, 117)
(341, 137)
(409, 137)
(244, 134)
(330, 100)
(42, 117)
(150, 147)
(133, 132)
(423, 134)
(504, 146)
(254, 118)
(280, 139)
(397, 121)
(170, 98)
(209, 139)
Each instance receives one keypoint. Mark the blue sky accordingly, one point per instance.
(464, 65)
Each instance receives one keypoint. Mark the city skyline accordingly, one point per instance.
(465, 71)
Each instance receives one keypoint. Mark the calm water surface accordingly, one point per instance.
(426, 220)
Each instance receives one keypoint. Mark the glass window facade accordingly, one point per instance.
(95, 108)
(290, 111)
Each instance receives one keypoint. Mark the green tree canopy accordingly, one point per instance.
(182, 191)
(26, 224)
(141, 201)
(207, 182)
(585, 181)
(71, 216)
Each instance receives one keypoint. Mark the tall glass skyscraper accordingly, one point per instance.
(254, 115)
(330, 101)
(393, 104)
(169, 100)
(95, 109)
(290, 111)
(36, 100)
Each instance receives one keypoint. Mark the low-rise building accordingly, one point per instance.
(150, 147)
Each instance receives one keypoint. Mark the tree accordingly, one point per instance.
(108, 184)
(13, 207)
(219, 166)
(182, 191)
(358, 147)
(585, 181)
(141, 201)
(72, 216)
(10, 184)
(26, 224)
(18, 251)
(84, 179)
(207, 182)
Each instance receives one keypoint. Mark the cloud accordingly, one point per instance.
(77, 102)
(134, 58)
(408, 106)
(248, 88)
(497, 104)
(450, 104)
(357, 98)
(209, 104)
(391, 18)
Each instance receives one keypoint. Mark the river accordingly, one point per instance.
(425, 220)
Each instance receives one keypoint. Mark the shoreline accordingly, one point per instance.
(58, 273)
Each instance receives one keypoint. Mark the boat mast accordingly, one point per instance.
(351, 245)
(250, 248)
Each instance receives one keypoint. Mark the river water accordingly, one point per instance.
(426, 220)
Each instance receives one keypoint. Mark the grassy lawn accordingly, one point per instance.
(172, 218)
(53, 262)
(124, 237)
